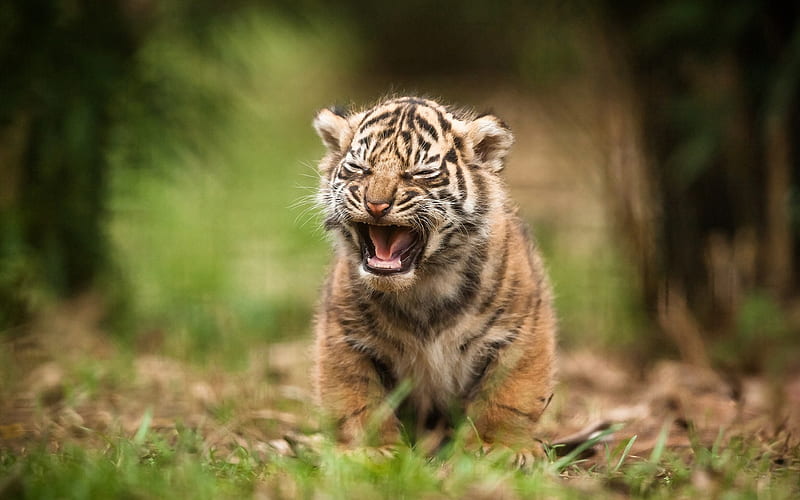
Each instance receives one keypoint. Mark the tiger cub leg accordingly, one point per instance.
(508, 404)
(353, 395)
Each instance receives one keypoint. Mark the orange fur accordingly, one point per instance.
(468, 318)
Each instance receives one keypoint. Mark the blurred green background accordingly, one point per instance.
(158, 157)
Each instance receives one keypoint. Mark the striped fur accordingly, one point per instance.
(470, 322)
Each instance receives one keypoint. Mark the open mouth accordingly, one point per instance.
(389, 249)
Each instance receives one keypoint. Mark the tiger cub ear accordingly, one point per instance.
(333, 128)
(491, 140)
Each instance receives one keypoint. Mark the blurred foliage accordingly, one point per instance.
(473, 40)
(213, 99)
(96, 85)
(80, 87)
(711, 76)
(596, 297)
(68, 60)
(214, 246)
(762, 333)
(718, 86)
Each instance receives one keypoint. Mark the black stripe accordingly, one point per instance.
(446, 313)
(385, 375)
(349, 238)
(374, 120)
(353, 202)
(370, 324)
(409, 149)
(439, 181)
(427, 127)
(536, 308)
(499, 279)
(352, 415)
(408, 116)
(523, 228)
(447, 240)
(473, 387)
(331, 223)
(345, 175)
(481, 204)
(408, 196)
(498, 344)
(356, 345)
(377, 151)
(491, 353)
(381, 367)
(417, 323)
(517, 411)
(444, 124)
(460, 182)
(480, 186)
(436, 417)
(484, 330)
(368, 153)
(356, 380)
(443, 254)
(458, 142)
(457, 206)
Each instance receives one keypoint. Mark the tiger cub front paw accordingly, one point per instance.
(521, 459)
(372, 454)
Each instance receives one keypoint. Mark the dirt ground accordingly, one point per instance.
(68, 384)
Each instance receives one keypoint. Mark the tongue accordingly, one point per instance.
(389, 243)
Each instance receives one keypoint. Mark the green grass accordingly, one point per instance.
(125, 469)
(152, 466)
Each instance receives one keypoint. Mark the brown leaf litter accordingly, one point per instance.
(68, 383)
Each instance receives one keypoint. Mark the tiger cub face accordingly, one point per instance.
(407, 184)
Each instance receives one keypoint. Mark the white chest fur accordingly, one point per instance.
(437, 370)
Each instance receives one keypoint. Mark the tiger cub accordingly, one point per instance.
(434, 280)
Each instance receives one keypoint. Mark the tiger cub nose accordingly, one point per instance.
(378, 209)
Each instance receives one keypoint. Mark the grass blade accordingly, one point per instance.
(661, 442)
(624, 455)
(141, 432)
(570, 457)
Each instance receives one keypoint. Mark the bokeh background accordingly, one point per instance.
(159, 155)
(157, 163)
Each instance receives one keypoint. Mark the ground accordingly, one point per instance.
(669, 425)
